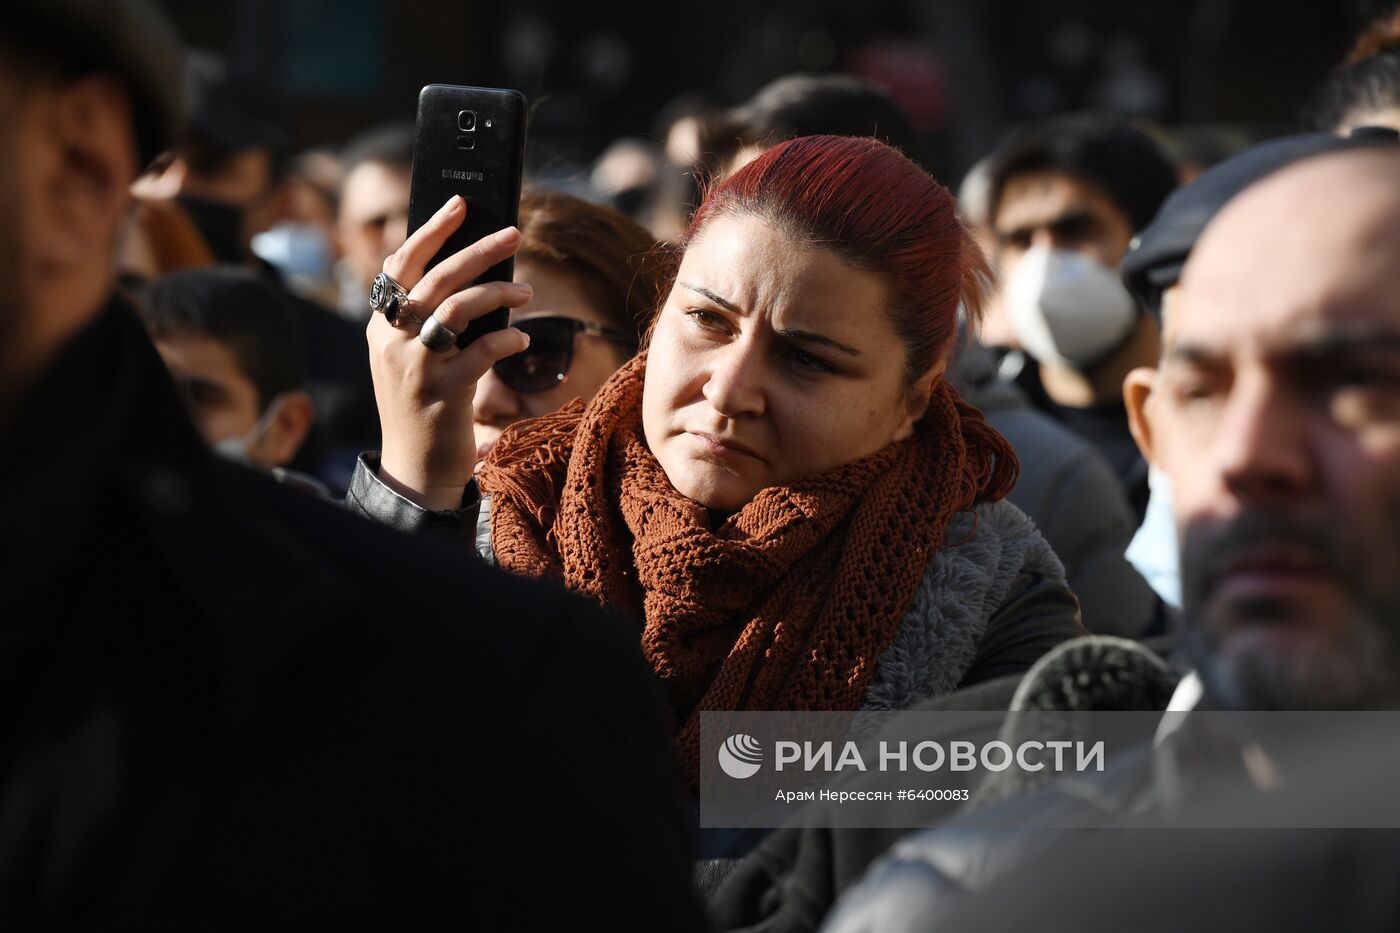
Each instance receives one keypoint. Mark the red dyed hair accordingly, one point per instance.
(880, 212)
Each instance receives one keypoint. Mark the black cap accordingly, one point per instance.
(130, 38)
(1158, 254)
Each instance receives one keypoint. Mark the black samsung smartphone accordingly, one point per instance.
(469, 141)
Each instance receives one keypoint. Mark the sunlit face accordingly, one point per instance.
(497, 406)
(1058, 211)
(1277, 416)
(770, 361)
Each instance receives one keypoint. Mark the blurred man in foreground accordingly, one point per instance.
(224, 704)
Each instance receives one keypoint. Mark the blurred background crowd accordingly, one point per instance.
(1210, 71)
(298, 141)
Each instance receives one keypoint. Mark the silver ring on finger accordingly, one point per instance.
(389, 298)
(435, 336)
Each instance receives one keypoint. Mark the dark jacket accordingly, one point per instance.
(1105, 426)
(1073, 496)
(226, 704)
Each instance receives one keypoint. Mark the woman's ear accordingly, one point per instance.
(917, 397)
(1138, 386)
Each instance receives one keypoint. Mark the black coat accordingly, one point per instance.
(224, 703)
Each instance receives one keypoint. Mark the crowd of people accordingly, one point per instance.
(779, 423)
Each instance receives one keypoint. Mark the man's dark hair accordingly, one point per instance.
(390, 144)
(1126, 164)
(240, 310)
(819, 105)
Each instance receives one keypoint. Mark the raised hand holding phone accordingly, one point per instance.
(469, 142)
(451, 269)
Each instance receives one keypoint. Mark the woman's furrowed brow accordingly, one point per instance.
(807, 336)
(722, 302)
(800, 336)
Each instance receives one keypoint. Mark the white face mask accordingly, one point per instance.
(238, 449)
(1068, 310)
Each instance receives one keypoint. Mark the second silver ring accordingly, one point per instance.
(436, 336)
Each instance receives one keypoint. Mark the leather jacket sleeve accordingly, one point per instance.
(372, 498)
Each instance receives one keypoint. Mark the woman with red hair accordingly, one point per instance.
(782, 490)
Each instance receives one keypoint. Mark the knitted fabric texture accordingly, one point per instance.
(788, 603)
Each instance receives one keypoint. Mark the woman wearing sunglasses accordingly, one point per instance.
(596, 279)
(782, 492)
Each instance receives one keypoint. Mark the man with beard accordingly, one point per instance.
(1275, 412)
(224, 704)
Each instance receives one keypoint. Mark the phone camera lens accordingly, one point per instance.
(466, 120)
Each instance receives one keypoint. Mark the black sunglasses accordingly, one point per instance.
(546, 363)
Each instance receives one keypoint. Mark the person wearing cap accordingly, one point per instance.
(212, 711)
(1303, 384)
(1275, 412)
(1151, 271)
(1066, 198)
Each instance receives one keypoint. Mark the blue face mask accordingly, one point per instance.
(298, 251)
(238, 449)
(1153, 550)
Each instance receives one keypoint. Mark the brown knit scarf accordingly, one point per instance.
(789, 602)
